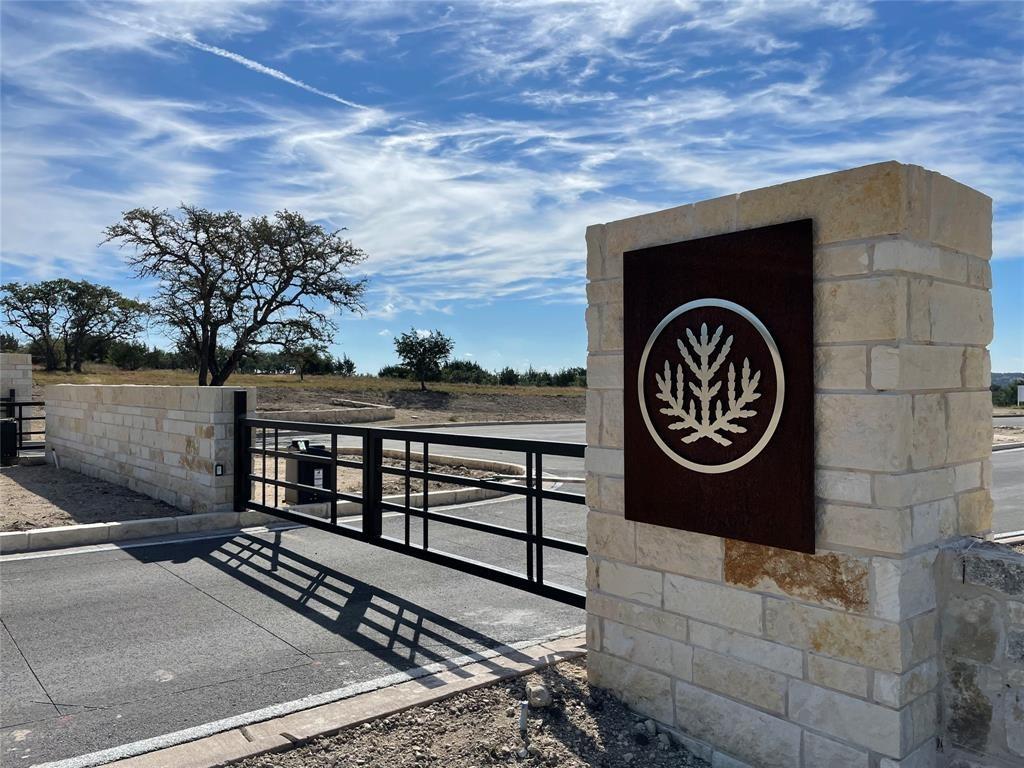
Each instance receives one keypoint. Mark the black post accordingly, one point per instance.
(372, 485)
(9, 408)
(243, 437)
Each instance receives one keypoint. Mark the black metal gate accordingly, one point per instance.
(257, 440)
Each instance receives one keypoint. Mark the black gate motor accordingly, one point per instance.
(8, 442)
(312, 473)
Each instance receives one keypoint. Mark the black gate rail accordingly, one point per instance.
(267, 443)
(12, 408)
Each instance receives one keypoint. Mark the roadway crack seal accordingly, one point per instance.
(537, 650)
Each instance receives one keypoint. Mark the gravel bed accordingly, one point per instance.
(581, 727)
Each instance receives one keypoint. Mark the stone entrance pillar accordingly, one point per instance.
(771, 657)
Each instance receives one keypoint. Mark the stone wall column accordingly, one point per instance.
(775, 658)
(16, 374)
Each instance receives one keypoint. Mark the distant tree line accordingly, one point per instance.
(1007, 394)
(470, 372)
(70, 322)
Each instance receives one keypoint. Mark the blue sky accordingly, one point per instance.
(466, 146)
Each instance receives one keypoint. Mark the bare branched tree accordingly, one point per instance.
(229, 286)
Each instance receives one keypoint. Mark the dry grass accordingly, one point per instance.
(104, 374)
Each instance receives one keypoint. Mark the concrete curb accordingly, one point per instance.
(289, 731)
(64, 536)
(1006, 447)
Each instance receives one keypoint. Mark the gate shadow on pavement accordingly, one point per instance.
(395, 630)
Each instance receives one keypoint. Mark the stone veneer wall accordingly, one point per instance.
(981, 591)
(163, 442)
(16, 374)
(767, 657)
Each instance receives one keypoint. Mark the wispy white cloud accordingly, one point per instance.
(556, 115)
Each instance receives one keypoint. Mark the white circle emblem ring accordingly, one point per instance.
(701, 392)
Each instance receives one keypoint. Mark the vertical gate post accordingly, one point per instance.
(243, 437)
(372, 485)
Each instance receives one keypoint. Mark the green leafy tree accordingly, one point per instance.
(70, 320)
(35, 309)
(345, 367)
(230, 287)
(127, 355)
(508, 376)
(423, 353)
(9, 342)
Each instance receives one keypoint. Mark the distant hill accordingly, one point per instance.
(1002, 379)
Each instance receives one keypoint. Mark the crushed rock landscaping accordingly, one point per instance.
(580, 727)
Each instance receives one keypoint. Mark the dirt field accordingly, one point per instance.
(1007, 434)
(583, 727)
(44, 497)
(441, 403)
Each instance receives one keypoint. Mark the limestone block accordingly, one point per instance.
(922, 757)
(841, 261)
(739, 680)
(611, 536)
(933, 521)
(930, 441)
(864, 202)
(848, 678)
(675, 551)
(780, 658)
(959, 217)
(713, 603)
(916, 366)
(899, 690)
(841, 367)
(820, 752)
(969, 425)
(837, 485)
(604, 371)
(604, 292)
(977, 368)
(849, 637)
(592, 317)
(595, 238)
(612, 498)
(593, 415)
(862, 431)
(741, 730)
(604, 461)
(946, 313)
(637, 646)
(647, 692)
(827, 578)
(611, 419)
(903, 588)
(641, 616)
(974, 512)
(979, 272)
(880, 530)
(627, 581)
(916, 258)
(657, 228)
(860, 722)
(913, 487)
(611, 327)
(868, 309)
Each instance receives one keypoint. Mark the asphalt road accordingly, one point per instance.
(99, 649)
(1010, 421)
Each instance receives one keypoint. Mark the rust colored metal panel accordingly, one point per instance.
(719, 385)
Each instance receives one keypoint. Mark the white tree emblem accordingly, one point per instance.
(705, 392)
